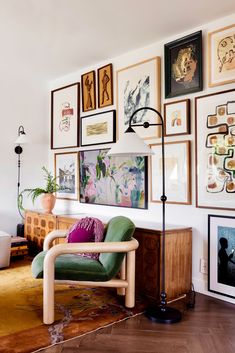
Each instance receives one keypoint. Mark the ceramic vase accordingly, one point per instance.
(48, 202)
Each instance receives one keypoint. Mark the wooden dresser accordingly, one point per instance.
(178, 252)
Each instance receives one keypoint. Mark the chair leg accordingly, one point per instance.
(48, 291)
(130, 290)
(122, 291)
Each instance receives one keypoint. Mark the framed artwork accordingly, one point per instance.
(139, 86)
(177, 117)
(113, 181)
(215, 150)
(98, 128)
(221, 256)
(66, 170)
(221, 56)
(105, 86)
(65, 108)
(183, 65)
(88, 91)
(177, 172)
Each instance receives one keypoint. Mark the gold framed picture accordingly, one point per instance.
(88, 91)
(105, 86)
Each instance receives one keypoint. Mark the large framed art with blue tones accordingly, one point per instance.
(113, 181)
(139, 86)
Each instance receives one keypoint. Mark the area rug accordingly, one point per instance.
(78, 310)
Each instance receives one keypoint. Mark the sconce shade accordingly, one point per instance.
(21, 140)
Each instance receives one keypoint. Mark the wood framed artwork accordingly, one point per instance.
(105, 86)
(221, 255)
(177, 117)
(177, 172)
(138, 86)
(215, 150)
(113, 181)
(66, 170)
(88, 91)
(221, 56)
(98, 128)
(65, 108)
(183, 65)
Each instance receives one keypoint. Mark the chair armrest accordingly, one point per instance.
(55, 234)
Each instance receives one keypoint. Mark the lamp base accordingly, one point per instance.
(163, 314)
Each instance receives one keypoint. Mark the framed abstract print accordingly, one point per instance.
(105, 86)
(113, 181)
(215, 150)
(138, 86)
(221, 255)
(88, 91)
(65, 108)
(177, 172)
(221, 56)
(98, 128)
(177, 117)
(183, 65)
(66, 171)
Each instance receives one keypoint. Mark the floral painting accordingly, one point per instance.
(114, 181)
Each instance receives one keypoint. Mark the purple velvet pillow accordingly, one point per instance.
(87, 230)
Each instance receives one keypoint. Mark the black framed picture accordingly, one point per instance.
(183, 65)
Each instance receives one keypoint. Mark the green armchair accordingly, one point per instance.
(60, 262)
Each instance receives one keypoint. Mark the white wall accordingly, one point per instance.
(175, 214)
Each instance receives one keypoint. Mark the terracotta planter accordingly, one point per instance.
(48, 202)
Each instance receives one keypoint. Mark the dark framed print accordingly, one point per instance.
(177, 117)
(105, 86)
(215, 150)
(113, 181)
(98, 128)
(65, 108)
(88, 91)
(221, 255)
(183, 65)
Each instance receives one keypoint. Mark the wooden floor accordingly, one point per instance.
(208, 328)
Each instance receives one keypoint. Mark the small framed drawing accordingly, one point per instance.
(66, 170)
(221, 255)
(65, 108)
(177, 172)
(215, 150)
(105, 86)
(138, 86)
(177, 117)
(88, 91)
(183, 65)
(98, 128)
(221, 56)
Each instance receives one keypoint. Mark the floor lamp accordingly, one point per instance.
(131, 144)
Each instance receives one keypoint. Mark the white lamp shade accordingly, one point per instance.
(21, 140)
(130, 144)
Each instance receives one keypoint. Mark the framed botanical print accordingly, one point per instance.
(183, 65)
(177, 172)
(177, 117)
(215, 150)
(105, 86)
(65, 108)
(66, 171)
(98, 128)
(221, 56)
(88, 91)
(221, 255)
(138, 86)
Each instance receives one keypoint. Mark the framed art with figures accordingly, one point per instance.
(177, 117)
(88, 91)
(105, 86)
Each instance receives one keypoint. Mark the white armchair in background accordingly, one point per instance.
(5, 249)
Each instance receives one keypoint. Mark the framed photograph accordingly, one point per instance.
(139, 86)
(177, 172)
(215, 150)
(88, 91)
(221, 255)
(177, 118)
(113, 181)
(105, 86)
(183, 65)
(221, 56)
(98, 128)
(65, 108)
(66, 171)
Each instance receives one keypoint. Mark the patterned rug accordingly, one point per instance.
(78, 310)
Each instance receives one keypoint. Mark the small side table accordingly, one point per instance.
(19, 246)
